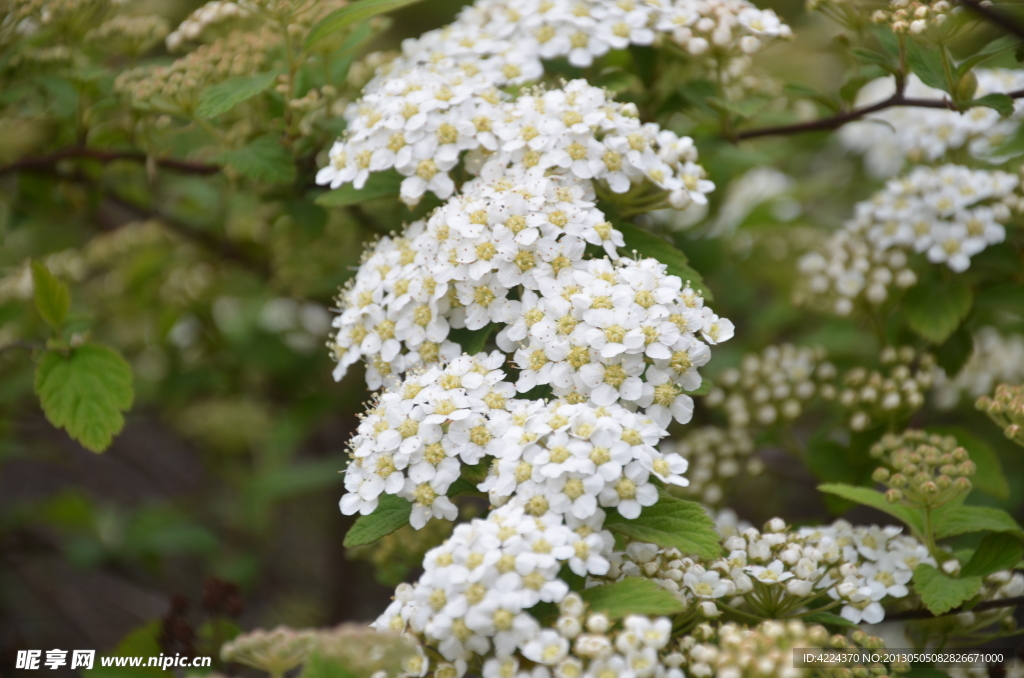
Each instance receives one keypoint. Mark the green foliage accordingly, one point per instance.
(996, 552)
(319, 666)
(631, 596)
(51, 295)
(671, 523)
(84, 391)
(263, 159)
(392, 513)
(999, 102)
(926, 63)
(939, 592)
(876, 500)
(649, 245)
(346, 16)
(224, 96)
(140, 642)
(967, 519)
(934, 310)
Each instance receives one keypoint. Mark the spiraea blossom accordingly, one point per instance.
(443, 95)
(947, 214)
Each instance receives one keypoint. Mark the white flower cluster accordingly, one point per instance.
(715, 455)
(559, 458)
(894, 392)
(773, 386)
(765, 651)
(442, 95)
(420, 126)
(616, 332)
(996, 359)
(892, 137)
(778, 571)
(509, 250)
(473, 600)
(949, 214)
(215, 12)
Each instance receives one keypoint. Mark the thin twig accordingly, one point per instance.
(990, 14)
(46, 163)
(841, 119)
(980, 607)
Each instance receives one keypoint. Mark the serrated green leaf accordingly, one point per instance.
(939, 592)
(989, 477)
(926, 63)
(828, 619)
(392, 513)
(994, 48)
(631, 596)
(350, 14)
(84, 392)
(379, 185)
(999, 102)
(967, 519)
(869, 497)
(263, 159)
(996, 552)
(224, 96)
(934, 310)
(51, 295)
(648, 245)
(671, 523)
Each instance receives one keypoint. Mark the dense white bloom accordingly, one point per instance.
(948, 214)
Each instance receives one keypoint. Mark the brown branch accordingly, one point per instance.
(46, 163)
(837, 121)
(980, 607)
(990, 14)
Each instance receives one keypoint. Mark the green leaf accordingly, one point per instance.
(84, 392)
(631, 596)
(941, 593)
(989, 477)
(392, 513)
(350, 14)
(926, 64)
(996, 552)
(869, 497)
(828, 619)
(224, 96)
(321, 666)
(473, 341)
(671, 523)
(263, 159)
(934, 310)
(967, 519)
(745, 108)
(705, 387)
(51, 295)
(955, 351)
(994, 48)
(651, 246)
(379, 185)
(878, 58)
(1000, 102)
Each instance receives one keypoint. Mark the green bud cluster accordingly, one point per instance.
(922, 469)
(1006, 409)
